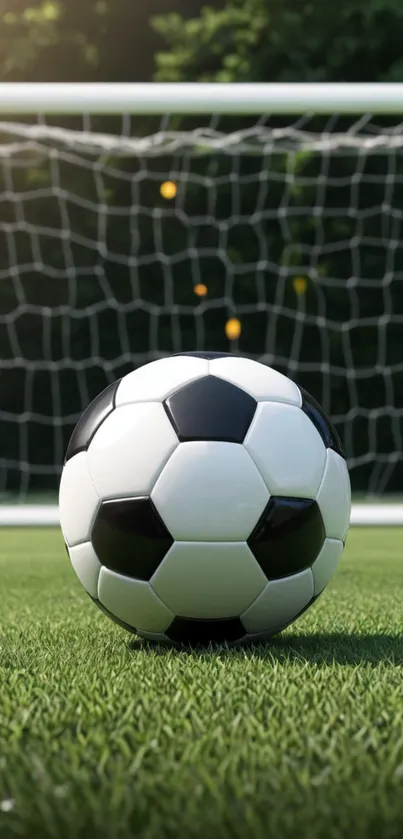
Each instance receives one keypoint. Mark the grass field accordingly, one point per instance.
(103, 736)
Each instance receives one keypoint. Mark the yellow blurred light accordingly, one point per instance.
(200, 290)
(233, 329)
(300, 285)
(168, 190)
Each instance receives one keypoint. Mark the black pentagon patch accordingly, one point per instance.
(288, 537)
(92, 418)
(210, 409)
(203, 632)
(112, 616)
(130, 537)
(321, 422)
(208, 356)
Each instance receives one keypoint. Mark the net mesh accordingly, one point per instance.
(121, 242)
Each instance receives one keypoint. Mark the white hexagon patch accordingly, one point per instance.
(260, 381)
(334, 496)
(133, 601)
(130, 449)
(157, 380)
(87, 566)
(208, 580)
(78, 500)
(153, 636)
(287, 449)
(210, 492)
(326, 564)
(280, 603)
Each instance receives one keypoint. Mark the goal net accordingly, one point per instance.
(124, 239)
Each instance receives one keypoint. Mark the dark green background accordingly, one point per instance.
(252, 40)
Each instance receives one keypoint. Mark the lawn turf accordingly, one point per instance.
(102, 736)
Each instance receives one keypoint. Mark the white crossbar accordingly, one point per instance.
(200, 98)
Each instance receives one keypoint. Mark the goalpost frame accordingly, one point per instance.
(199, 98)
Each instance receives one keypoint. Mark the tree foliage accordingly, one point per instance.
(81, 40)
(273, 40)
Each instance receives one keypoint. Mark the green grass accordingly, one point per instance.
(103, 736)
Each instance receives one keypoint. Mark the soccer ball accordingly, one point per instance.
(204, 498)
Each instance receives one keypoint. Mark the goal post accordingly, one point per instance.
(143, 219)
(256, 99)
